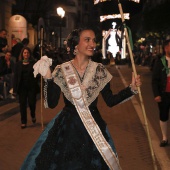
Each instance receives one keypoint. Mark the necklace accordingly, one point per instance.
(25, 60)
(80, 71)
(78, 67)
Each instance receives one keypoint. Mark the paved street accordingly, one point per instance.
(125, 122)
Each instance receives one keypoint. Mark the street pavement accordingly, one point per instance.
(125, 121)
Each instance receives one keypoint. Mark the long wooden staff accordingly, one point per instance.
(41, 53)
(41, 29)
(139, 91)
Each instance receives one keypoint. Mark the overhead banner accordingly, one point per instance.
(113, 16)
(98, 1)
(137, 1)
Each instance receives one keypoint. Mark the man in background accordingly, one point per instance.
(3, 42)
(161, 90)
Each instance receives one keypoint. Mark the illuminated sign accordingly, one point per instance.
(137, 1)
(113, 16)
(98, 1)
(113, 36)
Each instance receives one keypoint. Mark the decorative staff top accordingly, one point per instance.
(113, 16)
(98, 1)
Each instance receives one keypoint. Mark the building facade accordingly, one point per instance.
(77, 13)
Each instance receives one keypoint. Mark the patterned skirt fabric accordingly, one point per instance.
(66, 145)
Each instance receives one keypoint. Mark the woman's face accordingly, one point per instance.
(26, 54)
(167, 49)
(87, 43)
(8, 56)
(3, 34)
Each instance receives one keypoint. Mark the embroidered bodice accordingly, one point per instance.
(95, 78)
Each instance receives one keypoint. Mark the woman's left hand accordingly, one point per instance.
(136, 82)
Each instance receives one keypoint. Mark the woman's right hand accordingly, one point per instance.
(48, 75)
(42, 67)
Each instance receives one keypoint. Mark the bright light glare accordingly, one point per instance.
(137, 1)
(60, 12)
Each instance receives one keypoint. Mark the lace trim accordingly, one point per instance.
(95, 78)
(129, 98)
(94, 81)
(45, 94)
(125, 100)
(133, 91)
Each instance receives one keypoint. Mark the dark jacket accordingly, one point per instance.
(3, 43)
(159, 78)
(16, 50)
(33, 82)
(4, 69)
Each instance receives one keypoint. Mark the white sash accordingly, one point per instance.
(91, 126)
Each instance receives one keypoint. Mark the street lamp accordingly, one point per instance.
(61, 14)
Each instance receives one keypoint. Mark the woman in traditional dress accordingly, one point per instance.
(77, 138)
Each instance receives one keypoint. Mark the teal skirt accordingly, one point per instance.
(66, 145)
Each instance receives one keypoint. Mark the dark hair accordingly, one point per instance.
(25, 41)
(1, 30)
(8, 51)
(166, 42)
(21, 54)
(74, 37)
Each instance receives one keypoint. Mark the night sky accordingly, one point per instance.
(152, 15)
(32, 9)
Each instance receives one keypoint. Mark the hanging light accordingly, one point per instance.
(60, 12)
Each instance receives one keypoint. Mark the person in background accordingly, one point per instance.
(118, 59)
(161, 90)
(26, 86)
(16, 49)
(36, 51)
(7, 72)
(77, 138)
(1, 89)
(3, 42)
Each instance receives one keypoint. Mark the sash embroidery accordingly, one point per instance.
(91, 126)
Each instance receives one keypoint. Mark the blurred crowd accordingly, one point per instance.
(9, 58)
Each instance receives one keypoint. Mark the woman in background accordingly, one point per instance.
(25, 85)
